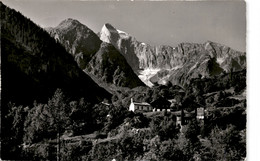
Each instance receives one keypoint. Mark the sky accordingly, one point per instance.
(152, 22)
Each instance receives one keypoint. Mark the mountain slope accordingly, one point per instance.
(122, 41)
(78, 40)
(202, 60)
(104, 63)
(110, 66)
(160, 64)
(34, 65)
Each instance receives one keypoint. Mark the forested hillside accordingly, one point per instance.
(34, 66)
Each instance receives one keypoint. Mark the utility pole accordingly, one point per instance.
(58, 133)
(58, 144)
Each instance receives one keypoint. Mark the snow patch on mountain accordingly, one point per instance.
(193, 67)
(105, 34)
(205, 61)
(164, 80)
(177, 67)
(220, 60)
(56, 37)
(122, 32)
(146, 74)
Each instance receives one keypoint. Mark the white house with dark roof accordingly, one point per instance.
(140, 107)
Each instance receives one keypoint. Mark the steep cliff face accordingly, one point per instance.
(178, 65)
(78, 40)
(109, 66)
(201, 60)
(102, 62)
(138, 54)
(123, 42)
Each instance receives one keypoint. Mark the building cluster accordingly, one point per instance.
(183, 117)
(157, 105)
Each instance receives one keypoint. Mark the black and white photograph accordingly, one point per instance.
(123, 80)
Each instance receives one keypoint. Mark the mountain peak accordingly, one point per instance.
(214, 44)
(69, 22)
(208, 42)
(77, 39)
(107, 31)
(109, 27)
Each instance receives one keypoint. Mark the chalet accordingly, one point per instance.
(200, 116)
(140, 107)
(184, 117)
(200, 113)
(161, 104)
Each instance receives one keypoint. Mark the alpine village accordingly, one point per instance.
(68, 93)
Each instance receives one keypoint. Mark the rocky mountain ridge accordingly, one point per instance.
(153, 64)
(177, 65)
(78, 40)
(108, 65)
(99, 59)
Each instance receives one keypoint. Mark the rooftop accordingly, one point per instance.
(141, 103)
